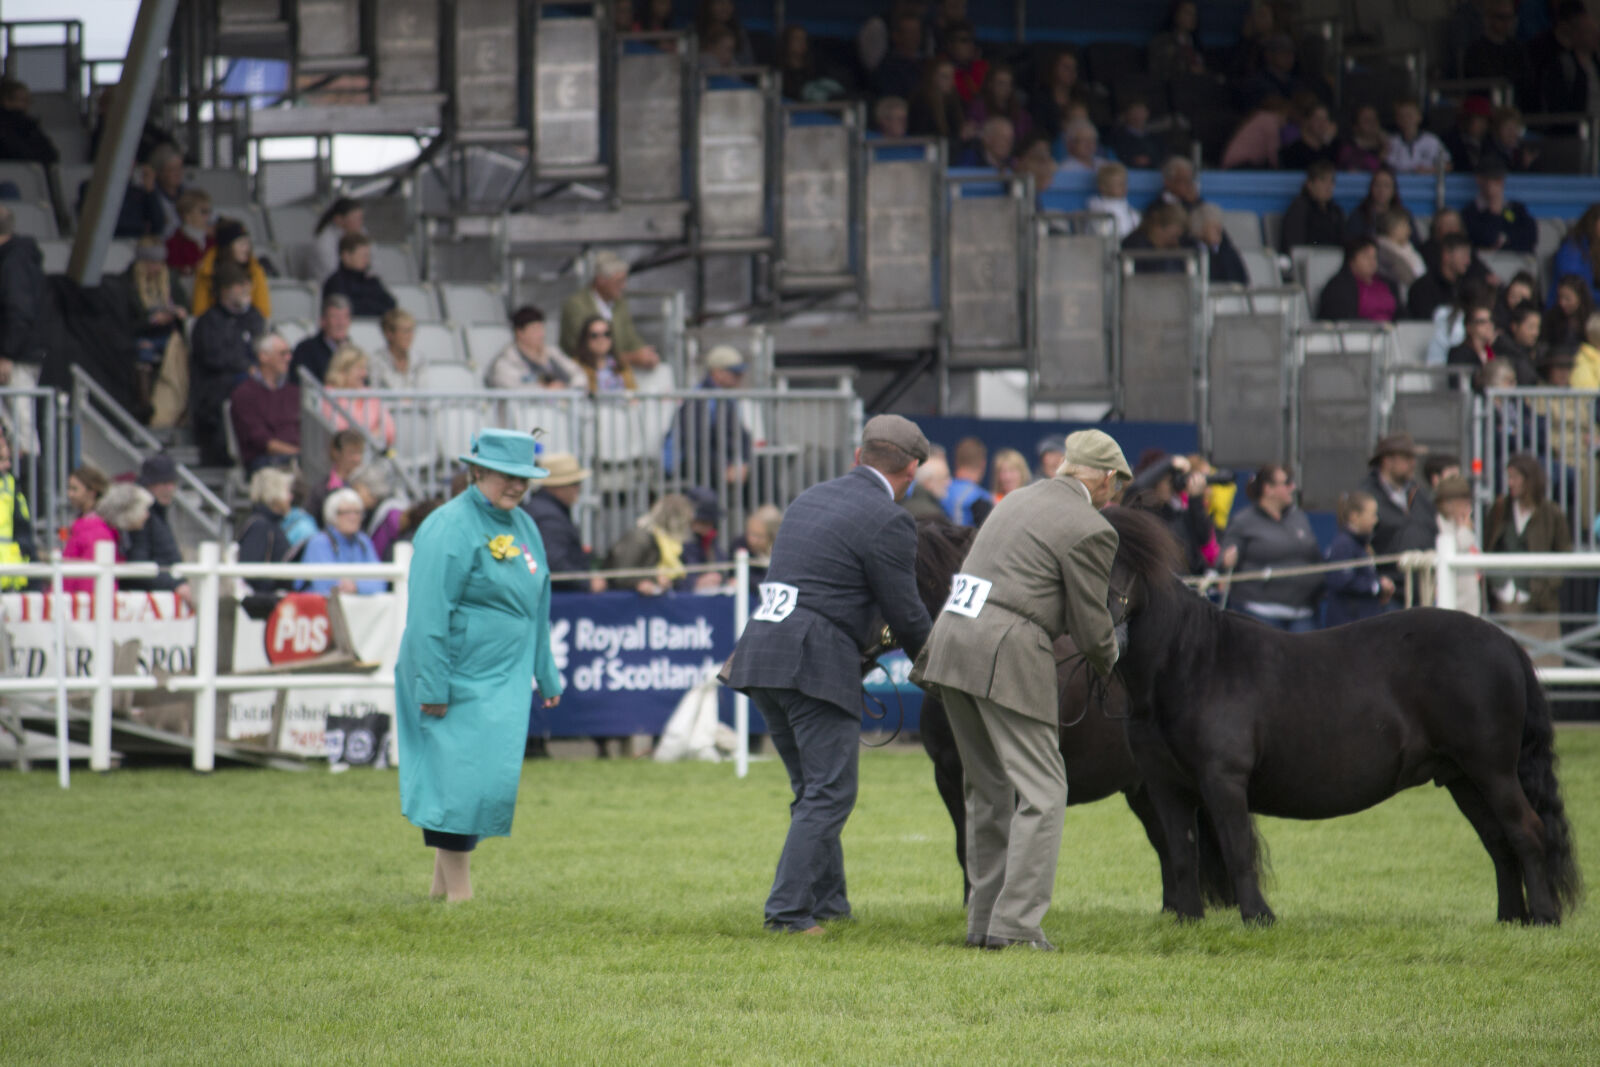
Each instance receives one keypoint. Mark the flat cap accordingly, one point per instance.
(158, 470)
(1094, 448)
(724, 357)
(898, 431)
(609, 265)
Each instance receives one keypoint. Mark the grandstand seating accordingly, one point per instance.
(30, 179)
(34, 218)
(484, 342)
(393, 263)
(294, 299)
(418, 298)
(470, 304)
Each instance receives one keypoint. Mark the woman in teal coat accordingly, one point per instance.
(477, 638)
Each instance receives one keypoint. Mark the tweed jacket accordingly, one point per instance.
(582, 306)
(1048, 554)
(849, 552)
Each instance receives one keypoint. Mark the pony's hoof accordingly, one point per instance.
(1185, 917)
(1265, 918)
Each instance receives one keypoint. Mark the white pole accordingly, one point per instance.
(741, 703)
(104, 606)
(207, 611)
(1444, 576)
(59, 607)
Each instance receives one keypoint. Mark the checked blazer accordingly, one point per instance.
(850, 551)
(1048, 553)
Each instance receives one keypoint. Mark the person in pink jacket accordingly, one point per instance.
(85, 486)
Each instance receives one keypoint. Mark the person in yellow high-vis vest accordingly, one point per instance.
(16, 522)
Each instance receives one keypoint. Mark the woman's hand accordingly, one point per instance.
(551, 702)
(1230, 557)
(348, 586)
(436, 710)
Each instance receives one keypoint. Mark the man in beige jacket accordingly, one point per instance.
(1039, 568)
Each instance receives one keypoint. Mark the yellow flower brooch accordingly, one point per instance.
(503, 547)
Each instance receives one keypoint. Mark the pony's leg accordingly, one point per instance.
(1226, 800)
(1145, 809)
(1178, 811)
(1525, 835)
(939, 742)
(1507, 874)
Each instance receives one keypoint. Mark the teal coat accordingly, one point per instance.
(477, 636)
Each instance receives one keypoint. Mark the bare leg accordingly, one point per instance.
(456, 867)
(438, 890)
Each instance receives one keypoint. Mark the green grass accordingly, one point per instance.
(261, 917)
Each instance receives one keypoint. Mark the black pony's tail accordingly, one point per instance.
(1536, 770)
(1216, 888)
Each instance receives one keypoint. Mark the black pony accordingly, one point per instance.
(1230, 717)
(1093, 735)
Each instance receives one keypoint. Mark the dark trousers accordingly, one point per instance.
(818, 743)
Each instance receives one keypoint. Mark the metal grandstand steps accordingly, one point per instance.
(252, 28)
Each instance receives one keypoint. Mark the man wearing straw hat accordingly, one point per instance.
(477, 639)
(844, 556)
(550, 507)
(1040, 568)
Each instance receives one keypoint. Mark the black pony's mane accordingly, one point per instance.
(941, 546)
(1145, 546)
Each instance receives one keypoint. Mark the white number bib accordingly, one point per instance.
(967, 594)
(777, 602)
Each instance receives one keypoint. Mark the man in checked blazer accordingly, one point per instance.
(845, 556)
(1039, 568)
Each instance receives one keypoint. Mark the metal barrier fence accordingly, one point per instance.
(1340, 374)
(1558, 428)
(37, 433)
(751, 446)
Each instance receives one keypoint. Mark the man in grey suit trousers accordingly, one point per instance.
(1039, 568)
(845, 555)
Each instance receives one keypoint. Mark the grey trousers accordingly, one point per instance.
(1016, 789)
(819, 745)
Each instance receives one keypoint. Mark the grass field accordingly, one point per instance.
(261, 917)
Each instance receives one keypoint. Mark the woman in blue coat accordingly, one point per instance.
(477, 638)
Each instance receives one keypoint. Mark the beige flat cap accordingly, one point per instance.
(1094, 448)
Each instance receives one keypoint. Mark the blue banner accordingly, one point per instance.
(626, 660)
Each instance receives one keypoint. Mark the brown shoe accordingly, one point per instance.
(814, 931)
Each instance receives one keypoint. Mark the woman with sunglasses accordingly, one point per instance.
(1274, 533)
(598, 359)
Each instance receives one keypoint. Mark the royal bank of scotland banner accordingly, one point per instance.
(627, 660)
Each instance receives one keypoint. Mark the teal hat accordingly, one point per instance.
(507, 451)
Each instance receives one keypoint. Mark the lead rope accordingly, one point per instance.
(883, 708)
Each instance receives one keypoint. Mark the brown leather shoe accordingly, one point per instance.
(813, 931)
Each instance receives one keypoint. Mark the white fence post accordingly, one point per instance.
(104, 606)
(207, 613)
(58, 610)
(741, 703)
(1444, 576)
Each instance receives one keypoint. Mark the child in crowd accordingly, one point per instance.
(193, 239)
(1414, 150)
(1112, 182)
(1131, 140)
(1453, 498)
(1398, 260)
(1356, 592)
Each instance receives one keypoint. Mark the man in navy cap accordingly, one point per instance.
(154, 542)
(844, 556)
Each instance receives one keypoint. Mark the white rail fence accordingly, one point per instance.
(207, 577)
